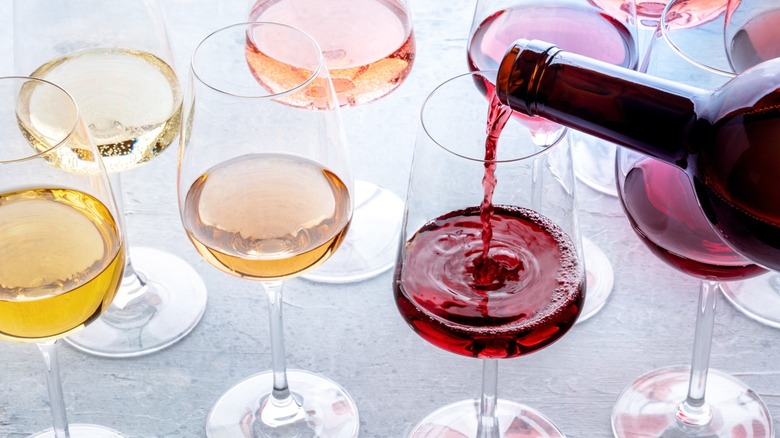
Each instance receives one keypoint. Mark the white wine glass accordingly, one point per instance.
(61, 242)
(271, 202)
(603, 30)
(115, 59)
(369, 49)
(490, 262)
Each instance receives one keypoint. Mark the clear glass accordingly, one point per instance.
(435, 275)
(602, 30)
(62, 242)
(369, 49)
(115, 59)
(694, 400)
(272, 201)
(750, 32)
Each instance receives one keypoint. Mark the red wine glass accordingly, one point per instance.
(602, 31)
(369, 48)
(660, 203)
(265, 193)
(750, 37)
(490, 263)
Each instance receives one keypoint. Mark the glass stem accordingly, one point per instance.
(694, 411)
(281, 407)
(133, 285)
(54, 384)
(488, 421)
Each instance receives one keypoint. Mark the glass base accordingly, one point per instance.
(82, 431)
(758, 298)
(170, 307)
(460, 420)
(371, 243)
(600, 279)
(594, 162)
(648, 407)
(330, 411)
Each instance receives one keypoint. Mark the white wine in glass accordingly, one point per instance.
(115, 59)
(62, 248)
(369, 49)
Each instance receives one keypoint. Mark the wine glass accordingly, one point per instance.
(61, 241)
(660, 203)
(369, 49)
(489, 264)
(602, 31)
(115, 59)
(271, 202)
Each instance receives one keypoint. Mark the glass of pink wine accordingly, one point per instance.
(62, 248)
(751, 36)
(603, 31)
(660, 203)
(369, 49)
(490, 262)
(116, 61)
(265, 193)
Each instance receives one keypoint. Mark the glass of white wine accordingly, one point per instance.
(266, 193)
(369, 48)
(114, 58)
(61, 243)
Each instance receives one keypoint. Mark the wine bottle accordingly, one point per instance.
(727, 140)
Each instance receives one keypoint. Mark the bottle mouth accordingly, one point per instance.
(517, 80)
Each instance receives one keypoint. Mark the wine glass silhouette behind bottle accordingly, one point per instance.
(584, 27)
(62, 247)
(115, 59)
(272, 202)
(369, 49)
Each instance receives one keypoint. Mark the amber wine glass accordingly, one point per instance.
(265, 193)
(61, 242)
(114, 59)
(369, 49)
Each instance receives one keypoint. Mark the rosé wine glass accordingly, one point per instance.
(490, 258)
(369, 48)
(271, 202)
(660, 203)
(115, 59)
(588, 28)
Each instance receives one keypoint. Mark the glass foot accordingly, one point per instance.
(82, 431)
(329, 411)
(600, 279)
(758, 298)
(460, 419)
(594, 162)
(167, 308)
(648, 407)
(371, 244)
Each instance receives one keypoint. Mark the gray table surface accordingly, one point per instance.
(353, 333)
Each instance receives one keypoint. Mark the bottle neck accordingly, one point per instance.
(642, 112)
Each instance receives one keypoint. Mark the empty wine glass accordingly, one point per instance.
(369, 49)
(602, 31)
(61, 242)
(490, 258)
(750, 32)
(272, 201)
(660, 202)
(115, 59)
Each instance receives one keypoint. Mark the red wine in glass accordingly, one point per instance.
(660, 204)
(757, 41)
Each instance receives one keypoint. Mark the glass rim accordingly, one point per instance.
(315, 72)
(543, 149)
(663, 27)
(68, 135)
